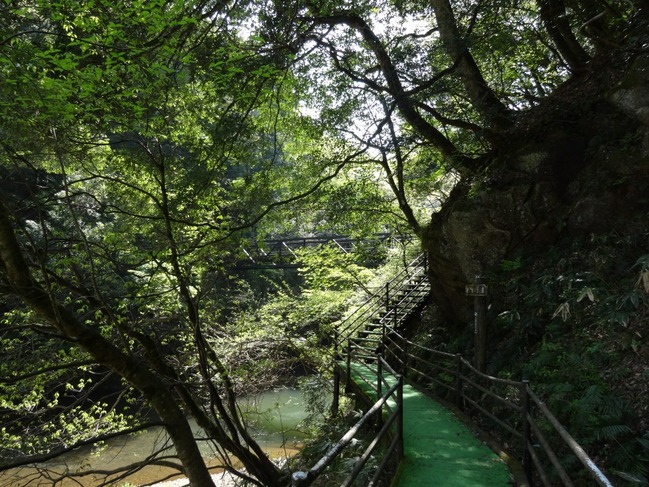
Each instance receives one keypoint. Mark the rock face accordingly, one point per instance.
(578, 164)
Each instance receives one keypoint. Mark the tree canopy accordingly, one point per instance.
(140, 141)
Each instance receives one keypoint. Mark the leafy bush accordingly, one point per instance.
(573, 320)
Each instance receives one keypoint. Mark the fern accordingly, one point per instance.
(631, 461)
(634, 479)
(612, 431)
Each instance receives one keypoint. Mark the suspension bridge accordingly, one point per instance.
(283, 253)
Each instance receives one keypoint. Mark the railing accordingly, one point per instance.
(387, 412)
(281, 253)
(508, 409)
(514, 414)
(397, 295)
(382, 301)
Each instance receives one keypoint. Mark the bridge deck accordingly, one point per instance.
(440, 450)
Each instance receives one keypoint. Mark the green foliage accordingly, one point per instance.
(317, 392)
(574, 319)
(132, 159)
(290, 328)
(329, 268)
(511, 265)
(141, 140)
(328, 434)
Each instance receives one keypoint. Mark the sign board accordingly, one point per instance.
(475, 289)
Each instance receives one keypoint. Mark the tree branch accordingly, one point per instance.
(398, 186)
(553, 15)
(154, 389)
(51, 455)
(482, 97)
(404, 103)
(46, 370)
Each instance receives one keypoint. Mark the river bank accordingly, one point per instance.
(274, 418)
(221, 479)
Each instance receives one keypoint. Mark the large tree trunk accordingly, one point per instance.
(553, 15)
(155, 390)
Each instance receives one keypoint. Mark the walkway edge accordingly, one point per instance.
(515, 467)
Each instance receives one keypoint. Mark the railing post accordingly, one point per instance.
(459, 402)
(395, 317)
(335, 402)
(400, 453)
(348, 361)
(387, 302)
(379, 376)
(479, 292)
(387, 296)
(480, 311)
(381, 347)
(525, 431)
(379, 390)
(404, 356)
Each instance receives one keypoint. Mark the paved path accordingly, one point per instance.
(440, 451)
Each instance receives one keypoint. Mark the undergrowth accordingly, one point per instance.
(573, 320)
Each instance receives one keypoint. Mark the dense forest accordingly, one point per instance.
(144, 144)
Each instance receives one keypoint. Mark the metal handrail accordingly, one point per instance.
(347, 332)
(367, 310)
(395, 448)
(579, 452)
(466, 376)
(470, 387)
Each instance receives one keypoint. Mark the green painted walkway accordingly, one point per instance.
(440, 451)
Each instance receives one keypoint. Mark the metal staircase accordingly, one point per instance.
(373, 356)
(364, 331)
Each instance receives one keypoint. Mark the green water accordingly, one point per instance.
(273, 417)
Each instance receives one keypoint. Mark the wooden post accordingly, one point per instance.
(480, 313)
(459, 402)
(400, 452)
(381, 348)
(479, 292)
(387, 296)
(379, 376)
(336, 344)
(525, 431)
(379, 390)
(404, 356)
(384, 319)
(335, 402)
(349, 362)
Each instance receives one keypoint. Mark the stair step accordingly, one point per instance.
(365, 340)
(403, 300)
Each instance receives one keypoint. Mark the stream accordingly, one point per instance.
(273, 417)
